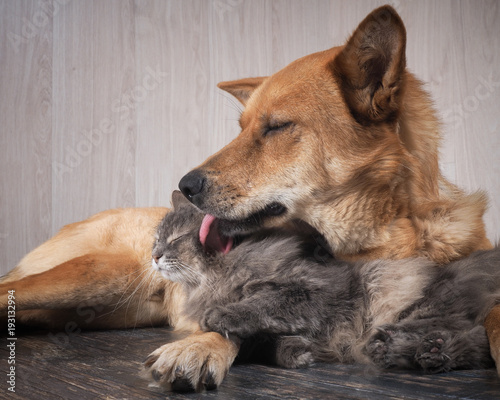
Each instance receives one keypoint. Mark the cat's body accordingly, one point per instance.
(407, 313)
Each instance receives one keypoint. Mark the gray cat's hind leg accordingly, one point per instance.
(392, 347)
(293, 352)
(440, 351)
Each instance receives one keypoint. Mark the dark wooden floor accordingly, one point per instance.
(104, 365)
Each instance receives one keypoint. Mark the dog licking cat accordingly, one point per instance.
(275, 290)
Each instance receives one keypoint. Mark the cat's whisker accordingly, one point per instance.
(191, 275)
(144, 272)
(146, 291)
(121, 301)
(145, 286)
(210, 285)
(141, 284)
(196, 276)
(139, 273)
(202, 280)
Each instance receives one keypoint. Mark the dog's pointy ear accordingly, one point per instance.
(242, 89)
(371, 67)
(179, 201)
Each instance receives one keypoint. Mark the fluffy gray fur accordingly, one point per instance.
(278, 295)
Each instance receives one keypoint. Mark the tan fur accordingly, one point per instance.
(492, 325)
(128, 230)
(359, 163)
(207, 355)
(404, 207)
(97, 264)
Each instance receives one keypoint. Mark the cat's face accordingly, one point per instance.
(177, 253)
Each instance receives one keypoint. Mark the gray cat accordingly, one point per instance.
(281, 295)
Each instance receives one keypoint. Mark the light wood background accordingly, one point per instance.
(108, 103)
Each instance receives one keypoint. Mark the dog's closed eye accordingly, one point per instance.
(276, 127)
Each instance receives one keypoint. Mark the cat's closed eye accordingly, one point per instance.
(175, 237)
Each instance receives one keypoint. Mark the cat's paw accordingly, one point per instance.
(431, 353)
(200, 361)
(393, 346)
(293, 352)
(228, 321)
(378, 347)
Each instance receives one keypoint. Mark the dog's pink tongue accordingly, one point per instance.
(210, 237)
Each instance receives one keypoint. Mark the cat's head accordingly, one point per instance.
(177, 252)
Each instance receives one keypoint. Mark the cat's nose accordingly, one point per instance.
(156, 258)
(192, 184)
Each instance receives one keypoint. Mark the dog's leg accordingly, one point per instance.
(95, 291)
(200, 361)
(492, 325)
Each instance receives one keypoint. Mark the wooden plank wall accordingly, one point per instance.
(108, 103)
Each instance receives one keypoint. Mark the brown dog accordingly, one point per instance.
(345, 140)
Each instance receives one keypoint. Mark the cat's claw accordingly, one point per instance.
(228, 322)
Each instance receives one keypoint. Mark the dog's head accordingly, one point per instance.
(320, 129)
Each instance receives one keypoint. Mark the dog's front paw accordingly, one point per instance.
(228, 321)
(200, 361)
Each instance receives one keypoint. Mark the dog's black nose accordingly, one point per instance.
(191, 185)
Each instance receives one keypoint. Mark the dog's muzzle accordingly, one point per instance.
(199, 190)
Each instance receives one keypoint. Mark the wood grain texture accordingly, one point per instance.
(94, 74)
(108, 104)
(105, 365)
(26, 130)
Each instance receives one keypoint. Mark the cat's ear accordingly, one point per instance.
(179, 201)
